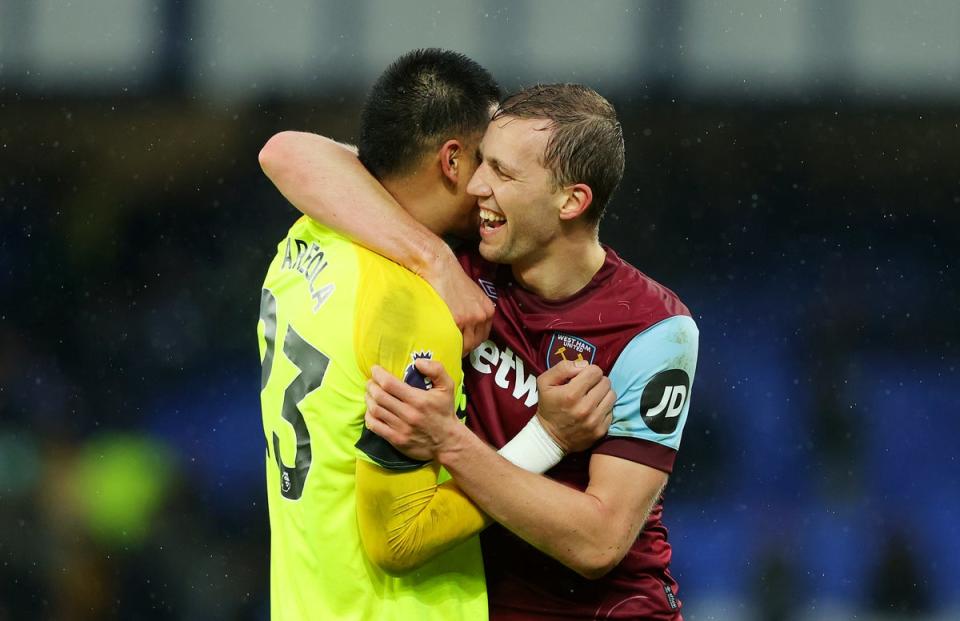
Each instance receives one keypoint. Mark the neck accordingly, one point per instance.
(566, 266)
(419, 199)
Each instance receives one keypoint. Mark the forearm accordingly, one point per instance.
(326, 181)
(407, 519)
(578, 529)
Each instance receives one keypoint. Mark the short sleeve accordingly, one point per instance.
(653, 378)
(400, 319)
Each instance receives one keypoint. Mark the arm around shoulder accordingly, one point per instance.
(326, 181)
(302, 166)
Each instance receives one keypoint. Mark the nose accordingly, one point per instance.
(478, 185)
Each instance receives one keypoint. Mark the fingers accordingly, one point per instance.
(377, 426)
(596, 393)
(383, 423)
(431, 369)
(409, 404)
(470, 339)
(563, 372)
(586, 379)
(486, 306)
(481, 306)
(476, 326)
(471, 308)
(475, 333)
(606, 405)
(377, 397)
(392, 385)
(375, 421)
(434, 370)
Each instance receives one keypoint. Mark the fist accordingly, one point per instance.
(576, 404)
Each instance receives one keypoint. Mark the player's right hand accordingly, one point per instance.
(576, 404)
(470, 306)
(417, 422)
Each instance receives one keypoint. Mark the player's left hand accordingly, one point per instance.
(576, 404)
(419, 423)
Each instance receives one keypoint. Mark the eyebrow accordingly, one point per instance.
(503, 167)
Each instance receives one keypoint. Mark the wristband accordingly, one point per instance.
(533, 449)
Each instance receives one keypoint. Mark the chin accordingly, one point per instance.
(492, 254)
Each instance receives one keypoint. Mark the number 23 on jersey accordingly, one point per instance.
(311, 365)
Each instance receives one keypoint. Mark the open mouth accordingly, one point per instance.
(490, 220)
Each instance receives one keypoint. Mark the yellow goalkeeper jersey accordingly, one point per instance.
(329, 311)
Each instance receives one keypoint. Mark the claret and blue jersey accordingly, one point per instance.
(645, 340)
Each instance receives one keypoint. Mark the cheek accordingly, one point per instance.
(531, 209)
(509, 196)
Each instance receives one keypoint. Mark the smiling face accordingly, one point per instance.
(518, 201)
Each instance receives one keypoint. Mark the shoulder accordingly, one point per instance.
(390, 283)
(639, 289)
(399, 315)
(307, 243)
(635, 311)
(670, 343)
(309, 228)
(393, 300)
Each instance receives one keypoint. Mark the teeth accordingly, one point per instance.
(490, 216)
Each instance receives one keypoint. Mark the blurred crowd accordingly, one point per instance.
(815, 245)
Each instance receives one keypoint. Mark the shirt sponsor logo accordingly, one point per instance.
(488, 358)
(569, 347)
(663, 399)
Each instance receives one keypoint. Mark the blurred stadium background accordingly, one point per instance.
(792, 174)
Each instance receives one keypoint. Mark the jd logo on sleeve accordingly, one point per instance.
(663, 399)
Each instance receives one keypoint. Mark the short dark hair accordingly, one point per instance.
(424, 98)
(586, 144)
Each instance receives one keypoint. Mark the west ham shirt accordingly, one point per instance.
(644, 339)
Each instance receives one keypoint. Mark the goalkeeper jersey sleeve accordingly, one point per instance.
(405, 518)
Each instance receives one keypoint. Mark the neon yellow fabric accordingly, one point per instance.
(405, 518)
(329, 310)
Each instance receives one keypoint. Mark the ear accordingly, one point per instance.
(450, 153)
(579, 198)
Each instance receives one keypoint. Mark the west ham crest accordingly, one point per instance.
(569, 347)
